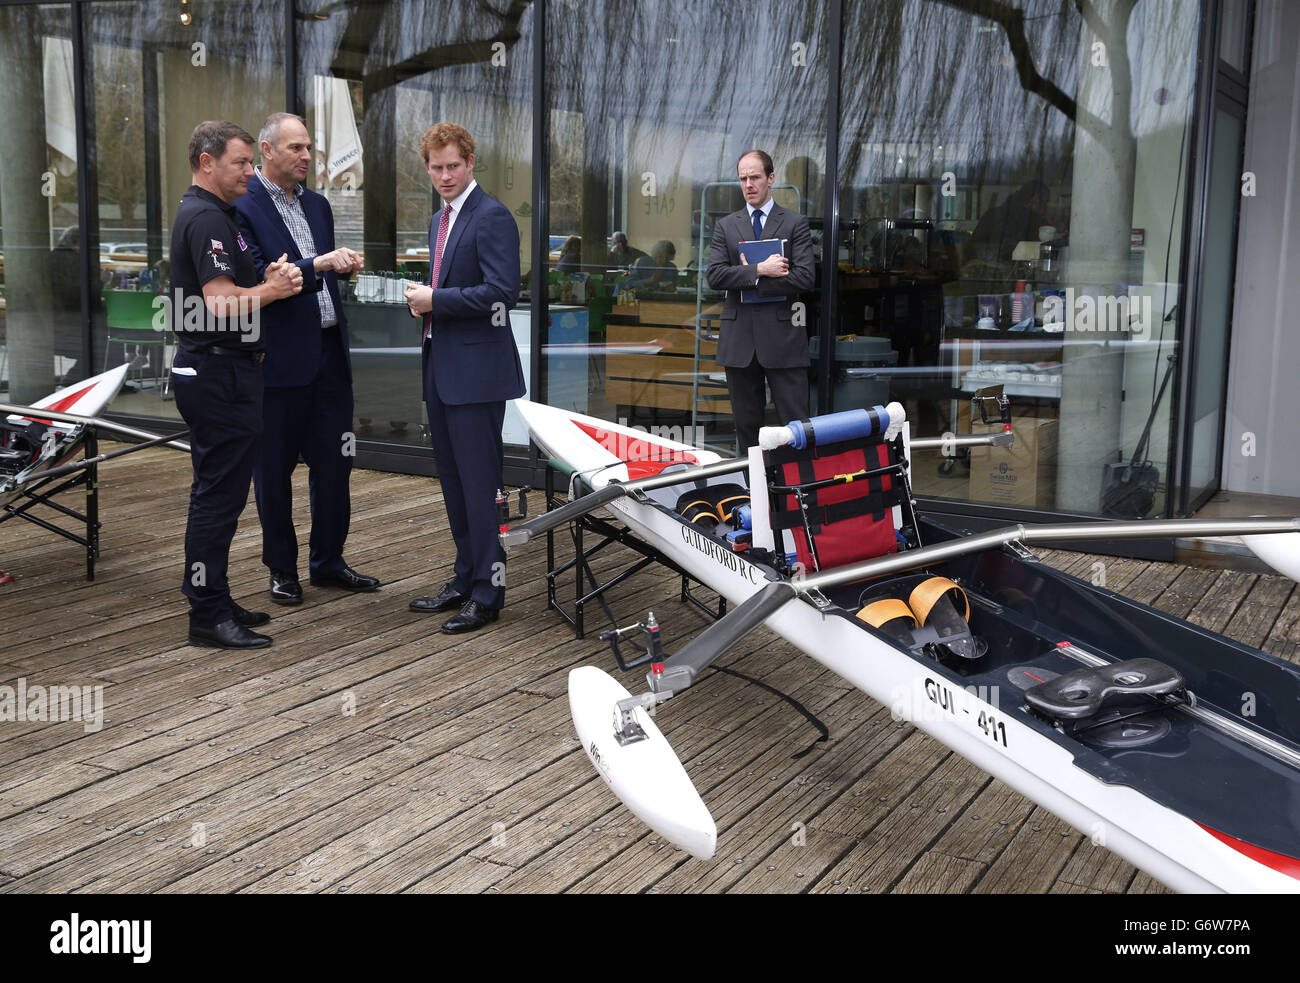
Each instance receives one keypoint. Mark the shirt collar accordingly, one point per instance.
(766, 209)
(458, 202)
(275, 190)
(203, 194)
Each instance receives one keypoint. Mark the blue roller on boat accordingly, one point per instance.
(832, 428)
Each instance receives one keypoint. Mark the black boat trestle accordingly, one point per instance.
(87, 462)
(34, 413)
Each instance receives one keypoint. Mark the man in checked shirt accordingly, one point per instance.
(308, 372)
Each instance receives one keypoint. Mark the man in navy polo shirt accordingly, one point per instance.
(217, 374)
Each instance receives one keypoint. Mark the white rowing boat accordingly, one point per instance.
(31, 445)
(1131, 725)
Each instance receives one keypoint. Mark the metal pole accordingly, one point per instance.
(1074, 531)
(968, 440)
(31, 412)
(93, 459)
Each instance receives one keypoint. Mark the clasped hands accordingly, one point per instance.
(284, 278)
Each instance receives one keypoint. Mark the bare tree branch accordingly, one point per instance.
(1012, 21)
(455, 53)
(1089, 14)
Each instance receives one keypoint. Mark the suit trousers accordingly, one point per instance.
(468, 449)
(314, 422)
(222, 405)
(749, 398)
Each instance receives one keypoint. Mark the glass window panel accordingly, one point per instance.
(385, 72)
(153, 78)
(1215, 319)
(1011, 216)
(40, 272)
(648, 118)
(1234, 41)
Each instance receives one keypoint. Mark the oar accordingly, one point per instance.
(35, 413)
(98, 459)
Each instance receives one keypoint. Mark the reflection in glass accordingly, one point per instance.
(1010, 196)
(648, 118)
(373, 77)
(40, 300)
(154, 79)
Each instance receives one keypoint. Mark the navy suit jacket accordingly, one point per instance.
(292, 326)
(472, 349)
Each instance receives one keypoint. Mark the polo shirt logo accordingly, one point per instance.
(243, 246)
(217, 246)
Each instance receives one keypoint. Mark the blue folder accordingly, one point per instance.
(755, 251)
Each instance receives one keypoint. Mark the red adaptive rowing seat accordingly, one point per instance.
(837, 497)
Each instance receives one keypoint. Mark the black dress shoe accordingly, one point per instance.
(285, 588)
(249, 619)
(228, 635)
(472, 617)
(444, 600)
(348, 579)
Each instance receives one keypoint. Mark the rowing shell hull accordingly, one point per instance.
(1280, 551)
(1161, 841)
(87, 398)
(598, 449)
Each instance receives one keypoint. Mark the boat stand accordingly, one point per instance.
(585, 577)
(40, 493)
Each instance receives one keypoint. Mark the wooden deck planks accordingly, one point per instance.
(367, 752)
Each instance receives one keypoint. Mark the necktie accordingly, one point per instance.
(444, 223)
(758, 223)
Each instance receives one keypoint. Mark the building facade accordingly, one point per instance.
(1086, 204)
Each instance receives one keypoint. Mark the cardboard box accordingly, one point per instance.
(1021, 475)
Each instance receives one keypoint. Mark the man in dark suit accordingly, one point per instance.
(307, 408)
(471, 367)
(762, 341)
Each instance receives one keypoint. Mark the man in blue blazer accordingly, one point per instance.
(307, 408)
(471, 367)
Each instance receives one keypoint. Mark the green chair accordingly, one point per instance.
(130, 321)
